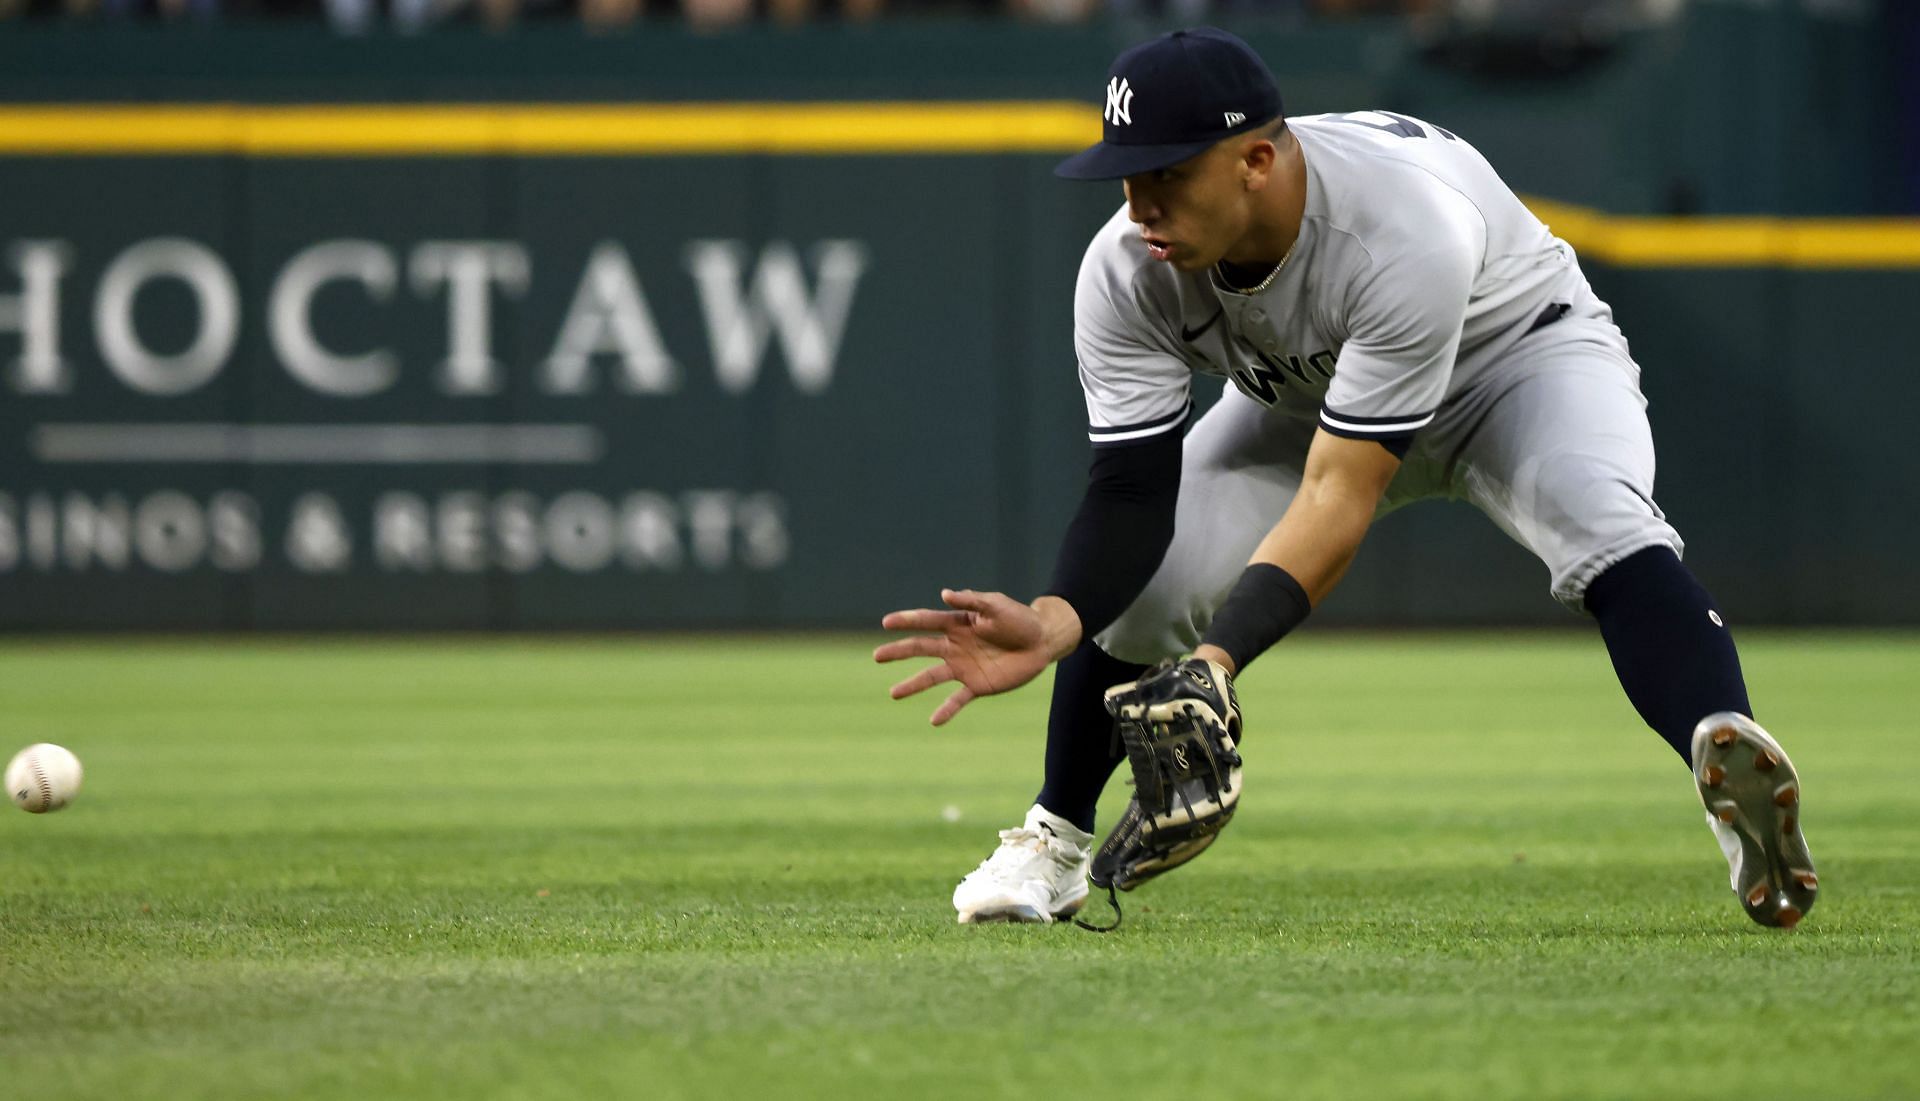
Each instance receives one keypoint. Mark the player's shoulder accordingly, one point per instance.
(1120, 286)
(1387, 178)
(1381, 141)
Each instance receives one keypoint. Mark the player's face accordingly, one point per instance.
(1191, 214)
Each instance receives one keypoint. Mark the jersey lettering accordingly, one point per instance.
(1390, 123)
(1293, 365)
(1264, 381)
(1259, 383)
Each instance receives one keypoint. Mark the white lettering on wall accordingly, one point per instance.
(34, 313)
(9, 534)
(459, 531)
(461, 523)
(516, 529)
(609, 315)
(290, 320)
(470, 270)
(96, 531)
(43, 532)
(580, 532)
(649, 532)
(402, 532)
(235, 522)
(218, 299)
(748, 302)
(764, 542)
(317, 538)
(171, 531)
(775, 301)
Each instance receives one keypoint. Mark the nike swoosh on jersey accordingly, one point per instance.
(1191, 335)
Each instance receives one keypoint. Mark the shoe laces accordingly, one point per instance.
(1018, 848)
(1021, 847)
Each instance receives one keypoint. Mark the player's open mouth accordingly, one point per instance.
(1158, 248)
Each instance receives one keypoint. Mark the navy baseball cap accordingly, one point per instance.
(1171, 98)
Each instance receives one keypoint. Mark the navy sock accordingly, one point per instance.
(1081, 754)
(1669, 644)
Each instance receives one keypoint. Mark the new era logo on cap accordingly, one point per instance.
(1119, 110)
(1203, 85)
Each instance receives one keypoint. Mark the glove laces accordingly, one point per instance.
(1113, 900)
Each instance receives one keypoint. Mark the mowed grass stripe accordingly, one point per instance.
(700, 867)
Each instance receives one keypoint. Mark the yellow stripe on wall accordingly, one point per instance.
(878, 128)
(588, 130)
(1725, 242)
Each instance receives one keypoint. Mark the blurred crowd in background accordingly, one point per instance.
(415, 15)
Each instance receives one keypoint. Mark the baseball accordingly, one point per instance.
(43, 778)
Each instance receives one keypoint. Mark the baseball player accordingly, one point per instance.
(1396, 326)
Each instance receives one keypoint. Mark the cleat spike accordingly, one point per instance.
(1757, 894)
(1713, 776)
(1726, 812)
(1789, 916)
(1724, 736)
(1806, 879)
(1786, 797)
(1766, 760)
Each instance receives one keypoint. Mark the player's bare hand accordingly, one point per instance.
(988, 642)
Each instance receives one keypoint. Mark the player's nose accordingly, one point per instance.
(1141, 208)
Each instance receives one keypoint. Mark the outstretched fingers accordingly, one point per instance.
(971, 611)
(923, 619)
(966, 600)
(919, 646)
(962, 696)
(923, 680)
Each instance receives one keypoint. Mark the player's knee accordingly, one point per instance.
(1586, 512)
(1588, 499)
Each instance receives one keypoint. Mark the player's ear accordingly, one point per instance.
(1256, 164)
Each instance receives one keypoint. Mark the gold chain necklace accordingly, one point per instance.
(1264, 283)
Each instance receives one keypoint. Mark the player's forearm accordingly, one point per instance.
(1299, 562)
(1319, 536)
(1119, 534)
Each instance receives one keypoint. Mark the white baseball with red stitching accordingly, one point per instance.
(43, 778)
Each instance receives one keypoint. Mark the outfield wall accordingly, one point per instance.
(304, 351)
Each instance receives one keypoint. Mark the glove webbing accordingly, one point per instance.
(1188, 721)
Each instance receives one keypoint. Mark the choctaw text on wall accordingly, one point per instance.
(369, 407)
(745, 299)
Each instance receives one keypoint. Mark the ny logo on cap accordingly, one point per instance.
(1119, 103)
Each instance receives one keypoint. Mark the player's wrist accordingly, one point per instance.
(1206, 651)
(1266, 604)
(1059, 625)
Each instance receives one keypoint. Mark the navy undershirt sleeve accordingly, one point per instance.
(1121, 531)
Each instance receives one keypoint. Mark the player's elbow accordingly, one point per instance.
(1339, 504)
(1352, 477)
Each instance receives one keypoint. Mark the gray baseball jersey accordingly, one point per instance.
(1415, 269)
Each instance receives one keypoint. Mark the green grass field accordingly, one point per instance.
(673, 868)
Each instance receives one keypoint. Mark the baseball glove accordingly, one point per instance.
(1180, 724)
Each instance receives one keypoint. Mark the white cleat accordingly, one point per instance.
(1752, 796)
(1038, 874)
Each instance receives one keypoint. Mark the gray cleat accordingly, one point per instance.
(1752, 796)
